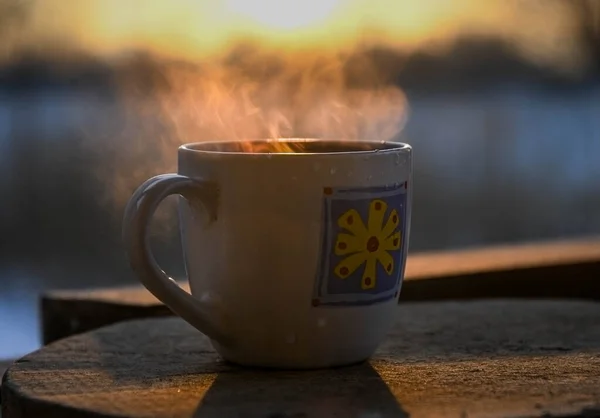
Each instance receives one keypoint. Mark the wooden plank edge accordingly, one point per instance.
(428, 265)
(563, 269)
(61, 318)
(4, 365)
(420, 266)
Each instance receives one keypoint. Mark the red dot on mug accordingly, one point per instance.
(342, 245)
(368, 281)
(350, 220)
(377, 205)
(344, 271)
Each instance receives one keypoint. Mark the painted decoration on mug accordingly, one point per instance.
(362, 245)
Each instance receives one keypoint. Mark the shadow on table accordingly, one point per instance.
(166, 364)
(348, 392)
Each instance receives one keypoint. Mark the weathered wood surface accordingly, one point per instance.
(501, 358)
(3, 366)
(568, 269)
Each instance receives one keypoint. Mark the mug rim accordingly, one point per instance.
(386, 147)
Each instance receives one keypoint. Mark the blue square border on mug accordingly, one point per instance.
(362, 245)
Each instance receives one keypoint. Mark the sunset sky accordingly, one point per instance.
(541, 30)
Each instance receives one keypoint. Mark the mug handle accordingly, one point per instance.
(138, 214)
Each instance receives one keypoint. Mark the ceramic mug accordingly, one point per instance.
(294, 259)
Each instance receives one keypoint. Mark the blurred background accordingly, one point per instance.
(500, 99)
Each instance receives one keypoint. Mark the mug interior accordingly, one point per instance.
(293, 146)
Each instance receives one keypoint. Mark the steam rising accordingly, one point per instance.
(302, 76)
(250, 93)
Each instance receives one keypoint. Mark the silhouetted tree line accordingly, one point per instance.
(472, 62)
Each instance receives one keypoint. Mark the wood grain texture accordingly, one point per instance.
(500, 358)
(566, 269)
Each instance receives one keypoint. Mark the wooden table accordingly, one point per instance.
(501, 357)
(564, 269)
(491, 358)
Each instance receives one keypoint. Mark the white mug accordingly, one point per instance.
(294, 259)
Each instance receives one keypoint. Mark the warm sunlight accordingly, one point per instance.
(286, 15)
(195, 28)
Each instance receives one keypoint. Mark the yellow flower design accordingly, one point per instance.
(368, 244)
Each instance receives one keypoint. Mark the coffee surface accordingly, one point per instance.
(292, 146)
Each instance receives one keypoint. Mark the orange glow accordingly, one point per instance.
(304, 96)
(294, 83)
(194, 28)
(284, 15)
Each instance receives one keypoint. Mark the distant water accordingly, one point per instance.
(507, 166)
